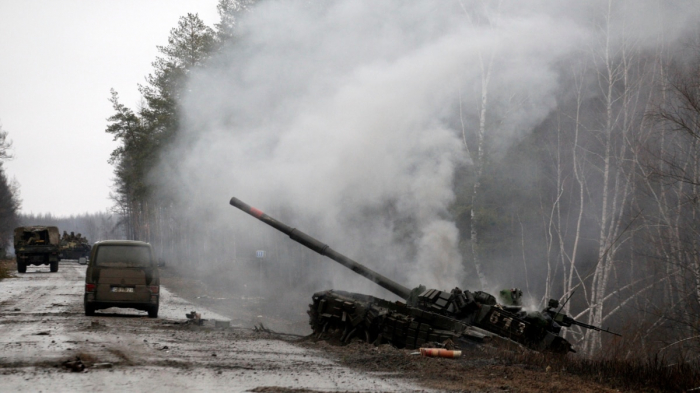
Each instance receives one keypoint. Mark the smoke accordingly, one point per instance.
(348, 119)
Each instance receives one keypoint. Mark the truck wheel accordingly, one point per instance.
(89, 310)
(153, 312)
(21, 267)
(54, 267)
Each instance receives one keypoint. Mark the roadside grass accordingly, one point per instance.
(7, 266)
(646, 373)
(651, 374)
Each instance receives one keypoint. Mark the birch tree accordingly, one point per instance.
(676, 169)
(478, 153)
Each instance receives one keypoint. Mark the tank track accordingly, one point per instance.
(378, 321)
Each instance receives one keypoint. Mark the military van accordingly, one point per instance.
(37, 245)
(122, 273)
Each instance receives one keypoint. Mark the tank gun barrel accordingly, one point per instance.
(567, 321)
(324, 249)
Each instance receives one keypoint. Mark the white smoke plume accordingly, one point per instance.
(344, 118)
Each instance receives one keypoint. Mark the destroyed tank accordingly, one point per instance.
(426, 315)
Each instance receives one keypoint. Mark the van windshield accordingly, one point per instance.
(123, 256)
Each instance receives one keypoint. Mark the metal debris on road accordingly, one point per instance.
(195, 318)
(261, 328)
(75, 366)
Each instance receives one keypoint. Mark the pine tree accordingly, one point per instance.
(230, 12)
(189, 46)
(145, 134)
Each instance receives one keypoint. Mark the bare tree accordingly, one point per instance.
(5, 145)
(674, 170)
(478, 156)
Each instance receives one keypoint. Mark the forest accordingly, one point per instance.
(553, 146)
(9, 196)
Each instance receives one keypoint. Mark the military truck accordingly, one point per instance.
(37, 245)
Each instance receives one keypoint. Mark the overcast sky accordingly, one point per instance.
(58, 61)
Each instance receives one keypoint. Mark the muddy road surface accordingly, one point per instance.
(49, 345)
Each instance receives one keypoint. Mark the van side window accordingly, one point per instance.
(123, 256)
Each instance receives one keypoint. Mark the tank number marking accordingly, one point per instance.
(494, 318)
(507, 322)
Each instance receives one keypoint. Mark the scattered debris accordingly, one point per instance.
(75, 366)
(262, 329)
(44, 333)
(16, 309)
(195, 318)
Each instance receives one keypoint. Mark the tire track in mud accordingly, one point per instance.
(159, 355)
(29, 305)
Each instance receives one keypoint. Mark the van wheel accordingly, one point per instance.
(89, 310)
(153, 312)
(21, 267)
(54, 267)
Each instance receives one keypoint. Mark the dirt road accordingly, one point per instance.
(43, 330)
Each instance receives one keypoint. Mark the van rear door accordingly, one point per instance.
(123, 273)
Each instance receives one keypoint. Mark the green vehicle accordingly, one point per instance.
(37, 245)
(74, 247)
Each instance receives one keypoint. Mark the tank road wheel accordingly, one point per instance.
(54, 267)
(21, 267)
(343, 317)
(153, 312)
